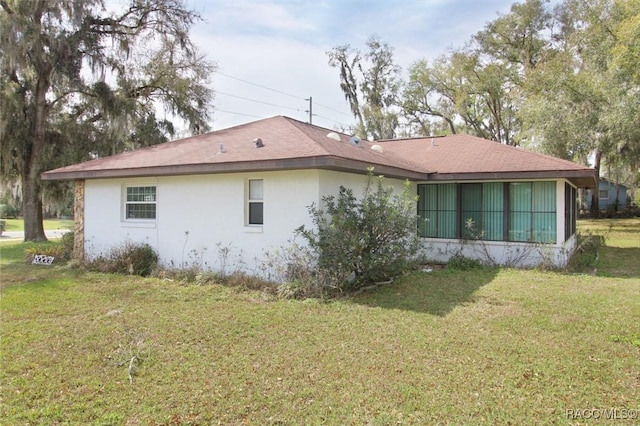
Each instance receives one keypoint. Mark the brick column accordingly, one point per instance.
(78, 216)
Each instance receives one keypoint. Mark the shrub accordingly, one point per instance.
(8, 211)
(131, 258)
(459, 262)
(358, 242)
(55, 250)
(585, 256)
(67, 245)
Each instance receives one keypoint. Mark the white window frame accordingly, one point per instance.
(126, 202)
(255, 200)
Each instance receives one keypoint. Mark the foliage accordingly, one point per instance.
(130, 258)
(358, 242)
(560, 79)
(62, 250)
(8, 211)
(78, 82)
(294, 269)
(371, 92)
(54, 250)
(67, 242)
(458, 262)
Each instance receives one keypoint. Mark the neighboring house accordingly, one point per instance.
(249, 187)
(610, 195)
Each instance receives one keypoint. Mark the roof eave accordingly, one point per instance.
(326, 162)
(585, 178)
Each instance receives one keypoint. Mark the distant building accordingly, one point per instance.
(610, 195)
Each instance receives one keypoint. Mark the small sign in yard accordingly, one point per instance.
(42, 259)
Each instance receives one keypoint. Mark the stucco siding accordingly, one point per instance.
(104, 227)
(201, 220)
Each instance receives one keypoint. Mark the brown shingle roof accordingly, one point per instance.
(460, 157)
(288, 144)
(291, 144)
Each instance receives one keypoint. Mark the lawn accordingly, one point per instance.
(49, 224)
(487, 346)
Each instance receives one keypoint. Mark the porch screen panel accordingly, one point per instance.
(447, 211)
(437, 210)
(427, 210)
(520, 211)
(543, 212)
(471, 223)
(570, 211)
(493, 211)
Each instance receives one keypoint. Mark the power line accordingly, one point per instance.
(237, 113)
(257, 101)
(275, 105)
(261, 86)
(334, 110)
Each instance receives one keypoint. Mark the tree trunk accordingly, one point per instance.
(595, 194)
(31, 188)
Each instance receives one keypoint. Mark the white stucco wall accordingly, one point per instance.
(499, 252)
(199, 217)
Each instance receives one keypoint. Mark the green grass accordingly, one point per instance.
(49, 224)
(488, 346)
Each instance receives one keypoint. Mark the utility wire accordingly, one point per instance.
(261, 86)
(237, 113)
(257, 101)
(334, 110)
(275, 105)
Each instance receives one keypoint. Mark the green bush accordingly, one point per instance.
(459, 262)
(358, 242)
(131, 258)
(67, 245)
(8, 211)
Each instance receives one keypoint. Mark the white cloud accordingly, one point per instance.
(282, 45)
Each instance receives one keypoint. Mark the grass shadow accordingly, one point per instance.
(619, 262)
(435, 293)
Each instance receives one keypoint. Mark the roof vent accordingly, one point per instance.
(258, 143)
(220, 148)
(354, 140)
(334, 136)
(377, 148)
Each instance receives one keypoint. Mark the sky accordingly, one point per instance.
(271, 55)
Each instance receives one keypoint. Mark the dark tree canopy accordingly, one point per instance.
(79, 81)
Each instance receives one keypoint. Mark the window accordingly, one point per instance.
(437, 209)
(570, 211)
(140, 202)
(603, 194)
(493, 211)
(255, 202)
(532, 212)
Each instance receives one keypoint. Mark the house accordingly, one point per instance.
(610, 196)
(247, 188)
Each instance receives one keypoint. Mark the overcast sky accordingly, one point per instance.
(271, 55)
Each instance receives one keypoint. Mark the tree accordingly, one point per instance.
(367, 240)
(370, 83)
(467, 94)
(477, 88)
(78, 82)
(581, 104)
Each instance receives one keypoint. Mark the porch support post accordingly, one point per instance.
(78, 216)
